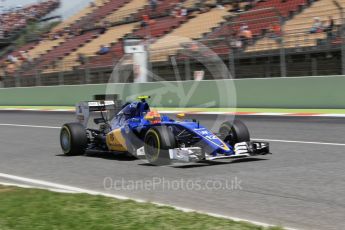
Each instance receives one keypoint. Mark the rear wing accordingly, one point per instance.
(84, 108)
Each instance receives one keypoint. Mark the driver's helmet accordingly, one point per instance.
(153, 117)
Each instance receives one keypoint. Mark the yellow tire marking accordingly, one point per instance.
(69, 138)
(159, 144)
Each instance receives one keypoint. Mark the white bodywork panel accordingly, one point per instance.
(84, 108)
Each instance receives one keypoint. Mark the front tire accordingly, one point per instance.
(73, 139)
(157, 142)
(234, 132)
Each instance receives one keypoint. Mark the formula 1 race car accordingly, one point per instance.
(145, 133)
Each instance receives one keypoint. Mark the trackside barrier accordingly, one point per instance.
(299, 92)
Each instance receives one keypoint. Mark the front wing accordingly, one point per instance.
(243, 149)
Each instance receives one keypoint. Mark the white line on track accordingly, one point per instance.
(301, 142)
(31, 126)
(39, 187)
(60, 188)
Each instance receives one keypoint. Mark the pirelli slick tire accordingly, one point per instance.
(73, 139)
(234, 132)
(157, 142)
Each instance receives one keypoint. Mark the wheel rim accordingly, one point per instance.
(152, 150)
(224, 131)
(65, 140)
(228, 134)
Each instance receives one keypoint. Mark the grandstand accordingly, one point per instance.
(98, 14)
(171, 42)
(297, 29)
(259, 19)
(81, 14)
(158, 28)
(65, 48)
(109, 38)
(74, 44)
(126, 11)
(15, 21)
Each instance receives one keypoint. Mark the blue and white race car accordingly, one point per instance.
(145, 133)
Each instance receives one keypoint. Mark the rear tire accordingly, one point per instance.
(73, 139)
(234, 132)
(157, 142)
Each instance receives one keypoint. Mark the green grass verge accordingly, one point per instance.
(39, 209)
(249, 110)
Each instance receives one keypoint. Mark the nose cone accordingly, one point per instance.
(212, 139)
(224, 146)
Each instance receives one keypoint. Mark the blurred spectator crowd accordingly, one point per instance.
(16, 20)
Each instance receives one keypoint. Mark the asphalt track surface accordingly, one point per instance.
(302, 185)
